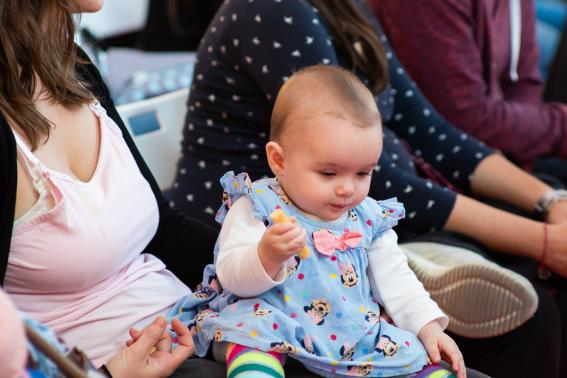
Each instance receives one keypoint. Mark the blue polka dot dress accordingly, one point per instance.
(323, 314)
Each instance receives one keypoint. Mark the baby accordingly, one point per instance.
(262, 301)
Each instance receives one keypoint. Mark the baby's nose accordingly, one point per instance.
(345, 189)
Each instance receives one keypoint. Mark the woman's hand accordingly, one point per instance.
(439, 345)
(149, 353)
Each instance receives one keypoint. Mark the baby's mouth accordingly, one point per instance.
(339, 206)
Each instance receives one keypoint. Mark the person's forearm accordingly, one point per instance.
(497, 178)
(496, 229)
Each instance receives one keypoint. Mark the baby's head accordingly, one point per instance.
(325, 140)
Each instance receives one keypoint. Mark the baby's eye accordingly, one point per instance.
(327, 173)
(364, 174)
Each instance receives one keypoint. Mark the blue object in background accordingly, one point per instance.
(552, 12)
(35, 374)
(151, 83)
(144, 123)
(550, 22)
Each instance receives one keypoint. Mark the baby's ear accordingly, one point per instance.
(275, 156)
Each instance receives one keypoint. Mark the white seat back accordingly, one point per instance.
(156, 125)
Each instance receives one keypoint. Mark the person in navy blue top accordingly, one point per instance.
(251, 47)
(242, 61)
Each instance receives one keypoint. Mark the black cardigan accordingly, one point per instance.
(184, 244)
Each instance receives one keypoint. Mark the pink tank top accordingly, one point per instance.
(79, 267)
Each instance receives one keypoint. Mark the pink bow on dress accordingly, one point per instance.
(326, 242)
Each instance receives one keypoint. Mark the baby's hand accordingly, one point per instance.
(279, 243)
(438, 344)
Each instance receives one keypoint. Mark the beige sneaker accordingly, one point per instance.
(480, 298)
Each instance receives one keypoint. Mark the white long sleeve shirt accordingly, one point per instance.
(393, 283)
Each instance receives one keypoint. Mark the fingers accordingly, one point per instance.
(457, 363)
(295, 234)
(151, 335)
(186, 347)
(289, 236)
(462, 373)
(134, 335)
(179, 328)
(281, 228)
(298, 241)
(164, 343)
(183, 334)
(433, 351)
(459, 366)
(453, 355)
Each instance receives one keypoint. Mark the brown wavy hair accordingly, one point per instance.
(356, 39)
(37, 43)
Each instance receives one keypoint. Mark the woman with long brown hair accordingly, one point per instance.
(252, 47)
(85, 230)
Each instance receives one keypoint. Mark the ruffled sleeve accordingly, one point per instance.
(234, 186)
(390, 211)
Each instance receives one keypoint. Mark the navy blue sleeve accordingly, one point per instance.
(452, 152)
(427, 204)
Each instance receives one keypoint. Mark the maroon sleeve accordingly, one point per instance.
(437, 43)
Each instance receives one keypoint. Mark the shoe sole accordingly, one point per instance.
(480, 300)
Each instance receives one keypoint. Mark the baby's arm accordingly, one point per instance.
(238, 265)
(397, 288)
